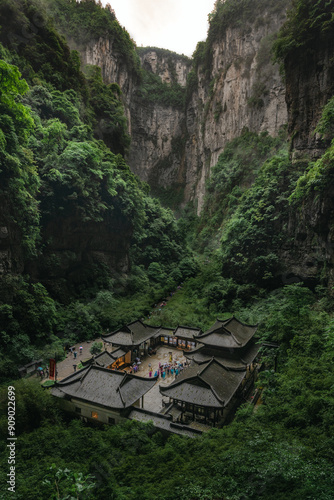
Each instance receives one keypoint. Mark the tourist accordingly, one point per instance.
(75, 354)
(75, 367)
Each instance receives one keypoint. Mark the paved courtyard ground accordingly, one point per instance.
(65, 367)
(152, 399)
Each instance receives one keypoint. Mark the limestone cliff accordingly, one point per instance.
(158, 128)
(175, 147)
(170, 67)
(244, 89)
(309, 86)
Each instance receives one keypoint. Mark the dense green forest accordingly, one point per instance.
(63, 139)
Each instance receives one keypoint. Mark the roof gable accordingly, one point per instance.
(132, 335)
(104, 387)
(209, 384)
(230, 333)
(236, 361)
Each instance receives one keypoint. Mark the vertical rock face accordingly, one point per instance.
(309, 86)
(113, 67)
(170, 67)
(101, 53)
(153, 156)
(245, 90)
(157, 129)
(172, 146)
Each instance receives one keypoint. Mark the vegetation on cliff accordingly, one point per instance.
(87, 21)
(242, 15)
(308, 23)
(62, 139)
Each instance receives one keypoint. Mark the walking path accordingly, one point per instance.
(65, 367)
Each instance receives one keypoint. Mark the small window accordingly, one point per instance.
(95, 414)
(111, 421)
(77, 409)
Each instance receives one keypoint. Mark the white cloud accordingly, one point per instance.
(170, 24)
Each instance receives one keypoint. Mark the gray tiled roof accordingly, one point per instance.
(106, 358)
(109, 388)
(203, 354)
(132, 335)
(230, 333)
(209, 384)
(186, 332)
(165, 332)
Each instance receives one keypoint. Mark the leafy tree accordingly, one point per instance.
(96, 348)
(68, 483)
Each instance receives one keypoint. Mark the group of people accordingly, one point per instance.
(135, 367)
(74, 352)
(43, 373)
(167, 369)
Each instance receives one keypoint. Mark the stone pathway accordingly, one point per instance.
(65, 367)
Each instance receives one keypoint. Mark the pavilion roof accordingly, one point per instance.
(132, 335)
(187, 332)
(230, 333)
(106, 358)
(210, 384)
(203, 354)
(108, 388)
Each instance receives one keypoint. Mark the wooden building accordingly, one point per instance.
(220, 376)
(115, 360)
(135, 337)
(102, 395)
(138, 338)
(182, 337)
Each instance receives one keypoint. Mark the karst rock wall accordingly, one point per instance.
(177, 147)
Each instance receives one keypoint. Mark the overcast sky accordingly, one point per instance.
(170, 24)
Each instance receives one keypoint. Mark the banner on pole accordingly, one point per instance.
(52, 368)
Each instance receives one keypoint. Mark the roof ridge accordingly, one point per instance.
(209, 385)
(122, 382)
(189, 327)
(119, 388)
(242, 323)
(85, 374)
(207, 365)
(233, 336)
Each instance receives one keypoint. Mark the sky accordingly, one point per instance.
(177, 25)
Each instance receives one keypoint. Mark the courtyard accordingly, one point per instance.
(153, 400)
